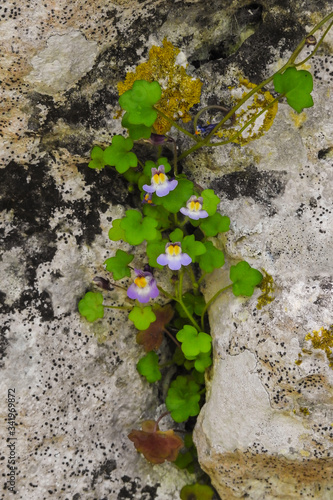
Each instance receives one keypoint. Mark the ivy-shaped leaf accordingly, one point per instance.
(138, 229)
(176, 235)
(196, 492)
(212, 259)
(296, 85)
(244, 278)
(139, 102)
(176, 198)
(153, 250)
(119, 154)
(116, 233)
(151, 338)
(158, 213)
(155, 445)
(202, 361)
(215, 224)
(136, 132)
(194, 304)
(193, 342)
(118, 265)
(148, 367)
(210, 201)
(142, 317)
(192, 247)
(183, 399)
(97, 158)
(91, 306)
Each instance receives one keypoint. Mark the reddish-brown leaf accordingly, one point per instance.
(151, 338)
(156, 446)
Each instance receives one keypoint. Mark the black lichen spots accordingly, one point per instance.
(132, 488)
(279, 29)
(3, 343)
(104, 470)
(324, 153)
(262, 186)
(30, 193)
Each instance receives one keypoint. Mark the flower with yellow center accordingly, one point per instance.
(160, 183)
(193, 209)
(173, 257)
(143, 288)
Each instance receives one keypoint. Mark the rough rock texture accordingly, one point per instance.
(265, 430)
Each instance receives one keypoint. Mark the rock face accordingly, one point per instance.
(265, 430)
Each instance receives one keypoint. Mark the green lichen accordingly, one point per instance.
(323, 339)
(267, 288)
(179, 91)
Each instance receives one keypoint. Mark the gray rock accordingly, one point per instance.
(265, 429)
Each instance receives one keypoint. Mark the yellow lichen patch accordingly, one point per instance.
(267, 288)
(247, 111)
(179, 91)
(323, 339)
(298, 118)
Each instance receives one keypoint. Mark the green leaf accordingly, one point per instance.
(196, 492)
(118, 265)
(138, 229)
(183, 399)
(91, 306)
(176, 235)
(116, 233)
(118, 154)
(154, 249)
(193, 342)
(139, 102)
(148, 367)
(164, 161)
(176, 198)
(149, 164)
(244, 278)
(97, 158)
(212, 259)
(192, 247)
(296, 85)
(158, 213)
(215, 224)
(194, 304)
(202, 361)
(142, 317)
(136, 132)
(210, 201)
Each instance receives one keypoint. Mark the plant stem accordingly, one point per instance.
(167, 294)
(289, 63)
(175, 124)
(253, 119)
(316, 47)
(210, 302)
(180, 301)
(172, 337)
(206, 108)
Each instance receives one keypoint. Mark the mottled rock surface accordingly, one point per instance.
(265, 430)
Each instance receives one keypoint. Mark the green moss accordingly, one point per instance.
(267, 288)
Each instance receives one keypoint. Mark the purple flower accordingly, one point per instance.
(160, 184)
(194, 209)
(173, 257)
(148, 199)
(143, 288)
